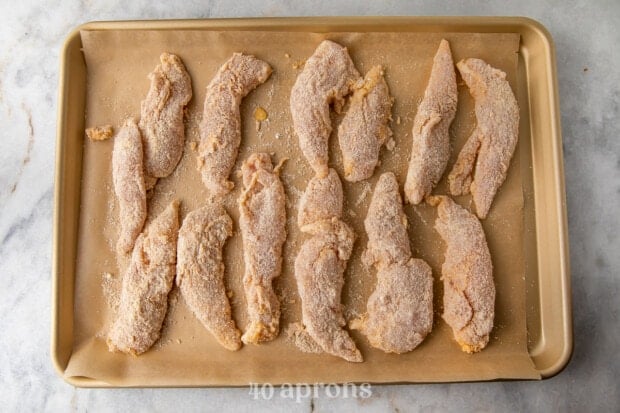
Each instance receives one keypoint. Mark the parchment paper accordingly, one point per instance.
(117, 65)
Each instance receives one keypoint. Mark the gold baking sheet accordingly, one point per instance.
(186, 354)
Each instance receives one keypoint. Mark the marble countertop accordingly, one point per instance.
(586, 35)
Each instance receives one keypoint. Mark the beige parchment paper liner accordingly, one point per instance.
(117, 65)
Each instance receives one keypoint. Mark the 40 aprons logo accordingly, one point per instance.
(300, 391)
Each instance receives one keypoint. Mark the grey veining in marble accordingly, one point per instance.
(587, 36)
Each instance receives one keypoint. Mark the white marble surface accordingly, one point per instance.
(587, 36)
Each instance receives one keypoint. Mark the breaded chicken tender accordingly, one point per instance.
(365, 126)
(161, 116)
(129, 187)
(482, 164)
(321, 200)
(467, 274)
(220, 128)
(320, 265)
(200, 271)
(319, 269)
(262, 222)
(328, 76)
(400, 310)
(146, 284)
(430, 149)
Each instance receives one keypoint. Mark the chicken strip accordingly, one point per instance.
(467, 274)
(220, 128)
(128, 179)
(400, 310)
(200, 271)
(483, 162)
(320, 265)
(430, 148)
(328, 76)
(319, 270)
(321, 200)
(263, 228)
(146, 284)
(161, 121)
(364, 128)
(386, 225)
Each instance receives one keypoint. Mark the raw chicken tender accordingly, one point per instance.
(319, 270)
(200, 271)
(220, 128)
(161, 121)
(365, 127)
(328, 76)
(483, 163)
(128, 178)
(262, 223)
(400, 309)
(430, 148)
(146, 284)
(467, 274)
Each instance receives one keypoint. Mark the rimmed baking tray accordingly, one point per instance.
(548, 303)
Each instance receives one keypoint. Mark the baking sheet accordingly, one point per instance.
(117, 65)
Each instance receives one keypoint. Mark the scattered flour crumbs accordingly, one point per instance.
(111, 290)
